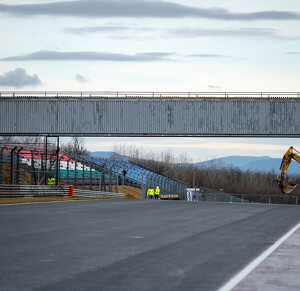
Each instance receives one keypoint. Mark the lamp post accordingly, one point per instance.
(18, 164)
(1, 153)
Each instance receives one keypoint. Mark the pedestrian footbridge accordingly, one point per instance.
(260, 114)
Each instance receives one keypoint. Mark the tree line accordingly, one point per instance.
(213, 176)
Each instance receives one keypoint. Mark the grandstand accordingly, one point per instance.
(139, 177)
(38, 164)
(23, 164)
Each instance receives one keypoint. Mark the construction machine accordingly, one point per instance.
(286, 160)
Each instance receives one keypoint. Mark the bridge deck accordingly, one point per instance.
(150, 114)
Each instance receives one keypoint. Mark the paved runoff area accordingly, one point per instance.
(149, 245)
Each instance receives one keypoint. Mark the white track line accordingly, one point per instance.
(242, 274)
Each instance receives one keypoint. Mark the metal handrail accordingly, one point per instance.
(144, 94)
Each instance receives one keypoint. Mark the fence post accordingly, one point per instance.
(82, 175)
(32, 169)
(142, 185)
(164, 180)
(12, 164)
(68, 161)
(123, 182)
(90, 176)
(147, 183)
(57, 163)
(18, 165)
(1, 157)
(109, 182)
(75, 173)
(100, 181)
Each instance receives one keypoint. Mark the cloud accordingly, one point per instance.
(79, 78)
(19, 78)
(139, 8)
(208, 56)
(185, 32)
(89, 56)
(102, 29)
(102, 56)
(292, 53)
(240, 32)
(218, 87)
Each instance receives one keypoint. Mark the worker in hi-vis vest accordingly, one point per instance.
(51, 181)
(156, 194)
(150, 192)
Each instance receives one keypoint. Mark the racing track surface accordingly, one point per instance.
(134, 244)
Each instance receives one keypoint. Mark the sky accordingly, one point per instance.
(140, 45)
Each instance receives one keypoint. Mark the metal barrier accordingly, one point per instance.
(31, 191)
(98, 194)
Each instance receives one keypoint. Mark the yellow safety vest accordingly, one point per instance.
(51, 181)
(150, 192)
(157, 191)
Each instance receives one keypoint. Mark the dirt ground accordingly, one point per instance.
(130, 193)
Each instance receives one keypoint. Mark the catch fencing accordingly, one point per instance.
(203, 194)
(22, 164)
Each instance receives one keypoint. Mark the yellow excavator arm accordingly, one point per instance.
(286, 160)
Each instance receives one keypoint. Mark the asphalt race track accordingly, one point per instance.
(134, 244)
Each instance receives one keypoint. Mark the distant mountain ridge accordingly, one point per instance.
(107, 155)
(100, 154)
(264, 164)
(249, 163)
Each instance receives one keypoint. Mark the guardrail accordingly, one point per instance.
(144, 94)
(98, 194)
(31, 191)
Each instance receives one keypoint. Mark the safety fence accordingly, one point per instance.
(204, 194)
(20, 164)
(23, 165)
(136, 176)
(32, 191)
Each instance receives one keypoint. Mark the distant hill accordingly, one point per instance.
(244, 163)
(107, 155)
(253, 164)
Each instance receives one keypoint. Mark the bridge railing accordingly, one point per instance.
(144, 94)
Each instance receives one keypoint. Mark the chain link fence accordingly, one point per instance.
(25, 165)
(204, 194)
